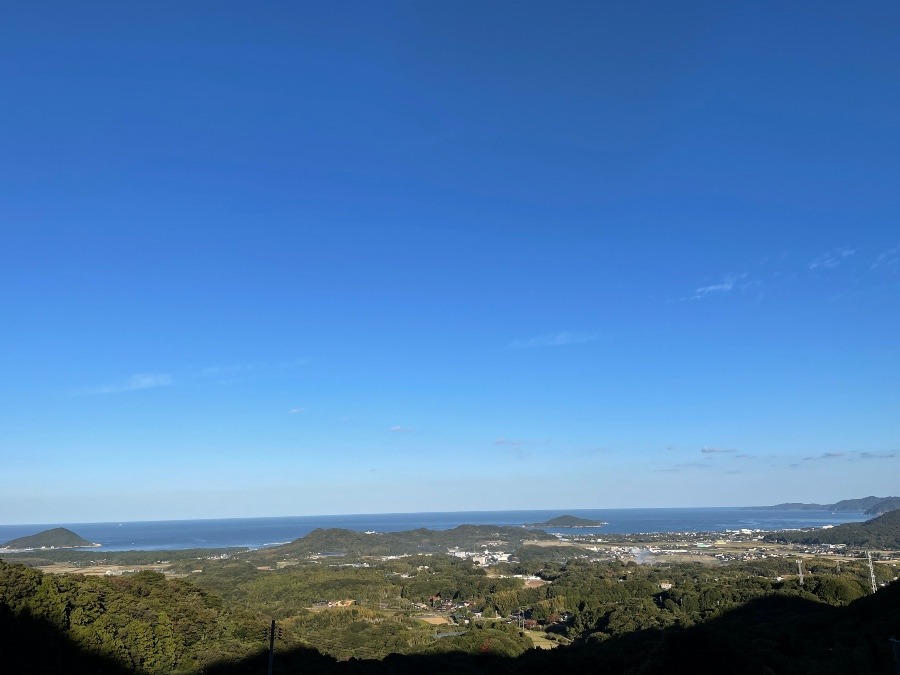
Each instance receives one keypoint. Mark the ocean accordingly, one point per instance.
(263, 532)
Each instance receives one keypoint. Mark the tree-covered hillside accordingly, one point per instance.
(882, 532)
(612, 617)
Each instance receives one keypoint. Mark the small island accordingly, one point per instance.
(569, 521)
(57, 537)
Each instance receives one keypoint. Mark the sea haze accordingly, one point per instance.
(260, 532)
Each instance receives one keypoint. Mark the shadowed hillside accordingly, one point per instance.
(774, 634)
(34, 645)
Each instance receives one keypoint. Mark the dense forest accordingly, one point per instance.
(367, 614)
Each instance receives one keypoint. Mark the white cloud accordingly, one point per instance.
(133, 383)
(296, 411)
(728, 284)
(397, 429)
(559, 339)
(831, 259)
(888, 261)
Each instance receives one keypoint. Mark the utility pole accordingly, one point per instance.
(800, 569)
(872, 572)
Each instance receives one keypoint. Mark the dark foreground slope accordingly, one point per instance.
(772, 634)
(34, 645)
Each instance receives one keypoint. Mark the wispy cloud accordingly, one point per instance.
(506, 441)
(872, 455)
(686, 466)
(293, 363)
(743, 455)
(237, 370)
(397, 429)
(229, 371)
(722, 287)
(296, 411)
(889, 261)
(831, 259)
(560, 339)
(728, 283)
(851, 456)
(133, 383)
(708, 450)
(825, 455)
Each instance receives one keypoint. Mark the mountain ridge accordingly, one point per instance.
(869, 505)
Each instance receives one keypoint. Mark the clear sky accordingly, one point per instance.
(308, 258)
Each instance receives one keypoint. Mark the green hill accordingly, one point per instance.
(57, 537)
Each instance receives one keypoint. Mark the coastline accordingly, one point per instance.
(267, 532)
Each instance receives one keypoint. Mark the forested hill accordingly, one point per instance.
(467, 537)
(58, 537)
(869, 505)
(882, 532)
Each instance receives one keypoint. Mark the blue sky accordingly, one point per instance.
(284, 259)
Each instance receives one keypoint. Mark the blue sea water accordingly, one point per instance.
(261, 532)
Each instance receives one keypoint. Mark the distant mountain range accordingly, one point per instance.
(58, 537)
(868, 505)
